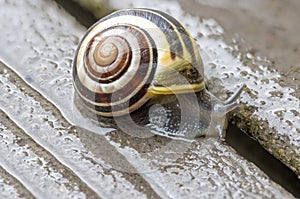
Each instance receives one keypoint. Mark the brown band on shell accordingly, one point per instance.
(133, 100)
(119, 64)
(166, 26)
(147, 65)
(186, 38)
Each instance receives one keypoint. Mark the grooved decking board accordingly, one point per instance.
(56, 141)
(12, 188)
(36, 107)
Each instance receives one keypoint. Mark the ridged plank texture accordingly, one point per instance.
(36, 97)
(10, 187)
(31, 164)
(53, 141)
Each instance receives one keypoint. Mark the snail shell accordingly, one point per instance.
(132, 55)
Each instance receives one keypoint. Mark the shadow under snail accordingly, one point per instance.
(133, 56)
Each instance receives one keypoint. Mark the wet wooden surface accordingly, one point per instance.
(263, 41)
(44, 155)
(266, 29)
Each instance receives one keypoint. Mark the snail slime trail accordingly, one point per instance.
(133, 58)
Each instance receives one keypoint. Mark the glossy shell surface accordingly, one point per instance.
(131, 55)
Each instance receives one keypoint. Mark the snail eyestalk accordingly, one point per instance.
(235, 95)
(225, 108)
(231, 103)
(221, 109)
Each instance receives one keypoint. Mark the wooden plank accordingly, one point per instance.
(36, 94)
(11, 187)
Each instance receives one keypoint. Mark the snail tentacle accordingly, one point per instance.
(231, 103)
(235, 95)
(226, 108)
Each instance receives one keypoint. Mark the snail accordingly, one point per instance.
(134, 55)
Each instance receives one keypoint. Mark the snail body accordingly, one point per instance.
(134, 55)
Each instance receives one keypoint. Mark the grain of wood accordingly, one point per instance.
(35, 95)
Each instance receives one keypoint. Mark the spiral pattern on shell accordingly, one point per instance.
(118, 58)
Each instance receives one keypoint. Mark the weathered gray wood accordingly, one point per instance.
(30, 163)
(272, 112)
(11, 188)
(36, 95)
(267, 30)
